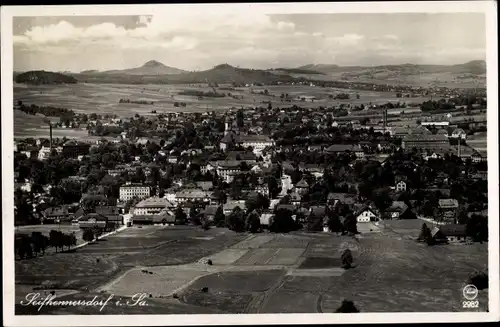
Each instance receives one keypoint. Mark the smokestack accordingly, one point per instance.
(384, 115)
(50, 127)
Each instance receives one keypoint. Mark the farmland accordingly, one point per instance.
(104, 98)
(263, 273)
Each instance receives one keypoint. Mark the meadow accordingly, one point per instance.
(104, 98)
(264, 273)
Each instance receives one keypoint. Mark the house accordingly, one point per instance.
(424, 141)
(246, 156)
(193, 195)
(262, 188)
(289, 207)
(399, 210)
(256, 142)
(231, 205)
(451, 233)
(346, 148)
(459, 133)
(302, 186)
(365, 214)
(162, 219)
(318, 211)
(153, 206)
(295, 198)
(266, 219)
(334, 199)
(44, 153)
(93, 220)
(205, 185)
(56, 215)
(31, 152)
(286, 184)
(112, 214)
(400, 184)
(227, 169)
(130, 191)
(74, 149)
(209, 212)
(448, 209)
(479, 156)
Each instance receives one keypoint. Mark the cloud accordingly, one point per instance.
(206, 39)
(350, 39)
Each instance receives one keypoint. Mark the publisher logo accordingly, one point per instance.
(470, 292)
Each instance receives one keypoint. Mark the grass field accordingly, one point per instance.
(148, 247)
(268, 273)
(104, 98)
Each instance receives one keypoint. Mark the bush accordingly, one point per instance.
(479, 279)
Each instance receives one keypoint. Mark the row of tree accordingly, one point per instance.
(28, 246)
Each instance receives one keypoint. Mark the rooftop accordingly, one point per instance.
(154, 202)
(453, 230)
(448, 203)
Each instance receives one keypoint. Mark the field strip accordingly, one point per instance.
(336, 272)
(273, 256)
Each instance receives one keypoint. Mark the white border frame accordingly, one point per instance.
(486, 7)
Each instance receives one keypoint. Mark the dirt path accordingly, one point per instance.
(259, 301)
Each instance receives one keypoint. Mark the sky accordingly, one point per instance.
(201, 41)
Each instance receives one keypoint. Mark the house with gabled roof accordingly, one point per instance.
(448, 209)
(451, 233)
(345, 198)
(302, 186)
(401, 185)
(366, 214)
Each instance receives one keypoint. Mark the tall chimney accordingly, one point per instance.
(50, 127)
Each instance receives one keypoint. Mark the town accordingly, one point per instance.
(287, 164)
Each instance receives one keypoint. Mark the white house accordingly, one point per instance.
(44, 153)
(366, 215)
(459, 133)
(401, 186)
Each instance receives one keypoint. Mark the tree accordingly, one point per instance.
(334, 223)
(97, 232)
(350, 223)
(346, 259)
(477, 228)
(88, 235)
(252, 223)
(55, 239)
(282, 222)
(425, 234)
(314, 223)
(40, 242)
(258, 202)
(347, 307)
(205, 224)
(194, 216)
(382, 200)
(239, 118)
(180, 216)
(219, 218)
(235, 221)
(23, 246)
(479, 279)
(272, 184)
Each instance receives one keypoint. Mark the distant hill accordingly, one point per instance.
(297, 71)
(477, 67)
(44, 77)
(219, 74)
(152, 67)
